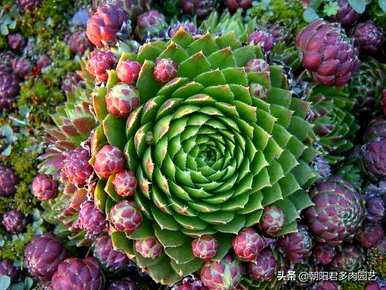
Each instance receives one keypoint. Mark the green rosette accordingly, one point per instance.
(208, 156)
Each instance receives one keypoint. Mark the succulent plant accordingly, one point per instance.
(248, 244)
(7, 181)
(149, 248)
(199, 8)
(165, 205)
(111, 259)
(375, 204)
(224, 274)
(123, 284)
(14, 221)
(190, 283)
(16, 41)
(78, 42)
(76, 169)
(325, 285)
(338, 211)
(296, 247)
(272, 220)
(350, 258)
(369, 235)
(150, 24)
(345, 15)
(28, 5)
(323, 253)
(91, 219)
(9, 88)
(78, 274)
(333, 122)
(368, 37)
(262, 38)
(104, 25)
(71, 82)
(44, 187)
(99, 62)
(43, 255)
(7, 268)
(234, 5)
(128, 71)
(327, 53)
(187, 26)
(205, 247)
(121, 100)
(21, 67)
(373, 158)
(366, 87)
(264, 267)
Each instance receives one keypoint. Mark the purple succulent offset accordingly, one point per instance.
(149, 248)
(76, 168)
(78, 42)
(264, 267)
(323, 254)
(346, 15)
(21, 67)
(234, 5)
(224, 274)
(190, 283)
(16, 42)
(91, 219)
(189, 27)
(121, 100)
(14, 221)
(205, 247)
(99, 62)
(325, 285)
(128, 71)
(165, 70)
(111, 259)
(375, 207)
(125, 183)
(7, 181)
(78, 274)
(296, 247)
(125, 216)
(248, 244)
(337, 213)
(108, 161)
(370, 234)
(7, 268)
(262, 38)
(9, 88)
(123, 284)
(104, 25)
(327, 53)
(374, 157)
(43, 255)
(349, 259)
(257, 65)
(150, 24)
(368, 37)
(272, 220)
(71, 82)
(199, 8)
(44, 187)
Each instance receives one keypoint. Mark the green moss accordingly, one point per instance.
(286, 12)
(43, 93)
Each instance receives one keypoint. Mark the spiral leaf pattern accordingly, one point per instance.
(208, 155)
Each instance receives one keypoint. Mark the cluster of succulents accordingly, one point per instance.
(192, 144)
